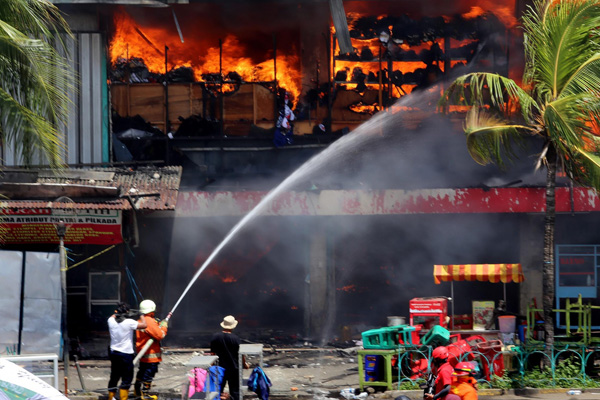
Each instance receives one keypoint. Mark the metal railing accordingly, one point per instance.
(570, 365)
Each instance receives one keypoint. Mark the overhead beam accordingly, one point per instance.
(387, 202)
(15, 191)
(338, 15)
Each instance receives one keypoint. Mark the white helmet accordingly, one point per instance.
(147, 306)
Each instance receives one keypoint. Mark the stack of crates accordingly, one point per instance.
(388, 338)
(373, 368)
(381, 339)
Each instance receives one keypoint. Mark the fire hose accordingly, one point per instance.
(196, 275)
(429, 386)
(149, 343)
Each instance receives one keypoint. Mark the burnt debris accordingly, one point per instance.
(398, 36)
(196, 125)
(414, 32)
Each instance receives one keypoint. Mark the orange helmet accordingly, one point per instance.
(441, 353)
(464, 369)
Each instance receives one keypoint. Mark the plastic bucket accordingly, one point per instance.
(394, 321)
(507, 323)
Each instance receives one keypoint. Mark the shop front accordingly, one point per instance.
(90, 222)
(483, 310)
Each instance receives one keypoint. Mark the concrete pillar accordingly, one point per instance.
(321, 286)
(531, 256)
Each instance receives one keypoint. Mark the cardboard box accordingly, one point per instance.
(483, 311)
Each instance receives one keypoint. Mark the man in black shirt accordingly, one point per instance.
(226, 345)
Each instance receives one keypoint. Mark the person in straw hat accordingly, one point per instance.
(226, 345)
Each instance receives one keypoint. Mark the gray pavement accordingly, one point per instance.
(296, 373)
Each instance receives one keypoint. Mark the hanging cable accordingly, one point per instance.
(134, 286)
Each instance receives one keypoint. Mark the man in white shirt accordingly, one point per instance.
(121, 326)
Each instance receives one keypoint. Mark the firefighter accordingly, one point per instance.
(442, 369)
(464, 386)
(150, 360)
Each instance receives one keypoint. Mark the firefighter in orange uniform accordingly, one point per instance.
(464, 386)
(150, 360)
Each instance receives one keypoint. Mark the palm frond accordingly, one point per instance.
(583, 167)
(571, 121)
(585, 79)
(481, 88)
(560, 37)
(34, 75)
(564, 121)
(38, 18)
(490, 139)
(28, 130)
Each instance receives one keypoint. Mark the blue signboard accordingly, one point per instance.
(576, 274)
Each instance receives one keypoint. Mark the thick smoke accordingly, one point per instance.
(376, 263)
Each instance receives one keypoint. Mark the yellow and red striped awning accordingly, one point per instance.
(494, 273)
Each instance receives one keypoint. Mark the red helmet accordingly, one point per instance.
(440, 353)
(464, 369)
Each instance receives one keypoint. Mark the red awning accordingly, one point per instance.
(494, 273)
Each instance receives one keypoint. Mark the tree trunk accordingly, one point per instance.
(548, 268)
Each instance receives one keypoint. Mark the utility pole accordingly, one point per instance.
(61, 231)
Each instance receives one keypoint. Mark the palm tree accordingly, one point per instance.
(35, 78)
(558, 102)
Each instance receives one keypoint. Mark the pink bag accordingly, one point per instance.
(197, 378)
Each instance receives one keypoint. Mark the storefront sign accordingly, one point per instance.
(29, 225)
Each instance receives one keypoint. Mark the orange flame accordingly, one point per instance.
(475, 12)
(148, 43)
(348, 288)
(362, 108)
(504, 10)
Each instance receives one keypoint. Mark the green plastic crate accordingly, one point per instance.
(382, 338)
(437, 336)
(387, 338)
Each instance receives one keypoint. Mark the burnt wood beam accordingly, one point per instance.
(338, 15)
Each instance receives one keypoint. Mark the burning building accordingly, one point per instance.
(231, 70)
(201, 83)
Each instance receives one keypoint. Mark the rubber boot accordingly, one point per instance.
(146, 391)
(137, 389)
(123, 394)
(111, 394)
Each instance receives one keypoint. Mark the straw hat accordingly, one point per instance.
(229, 322)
